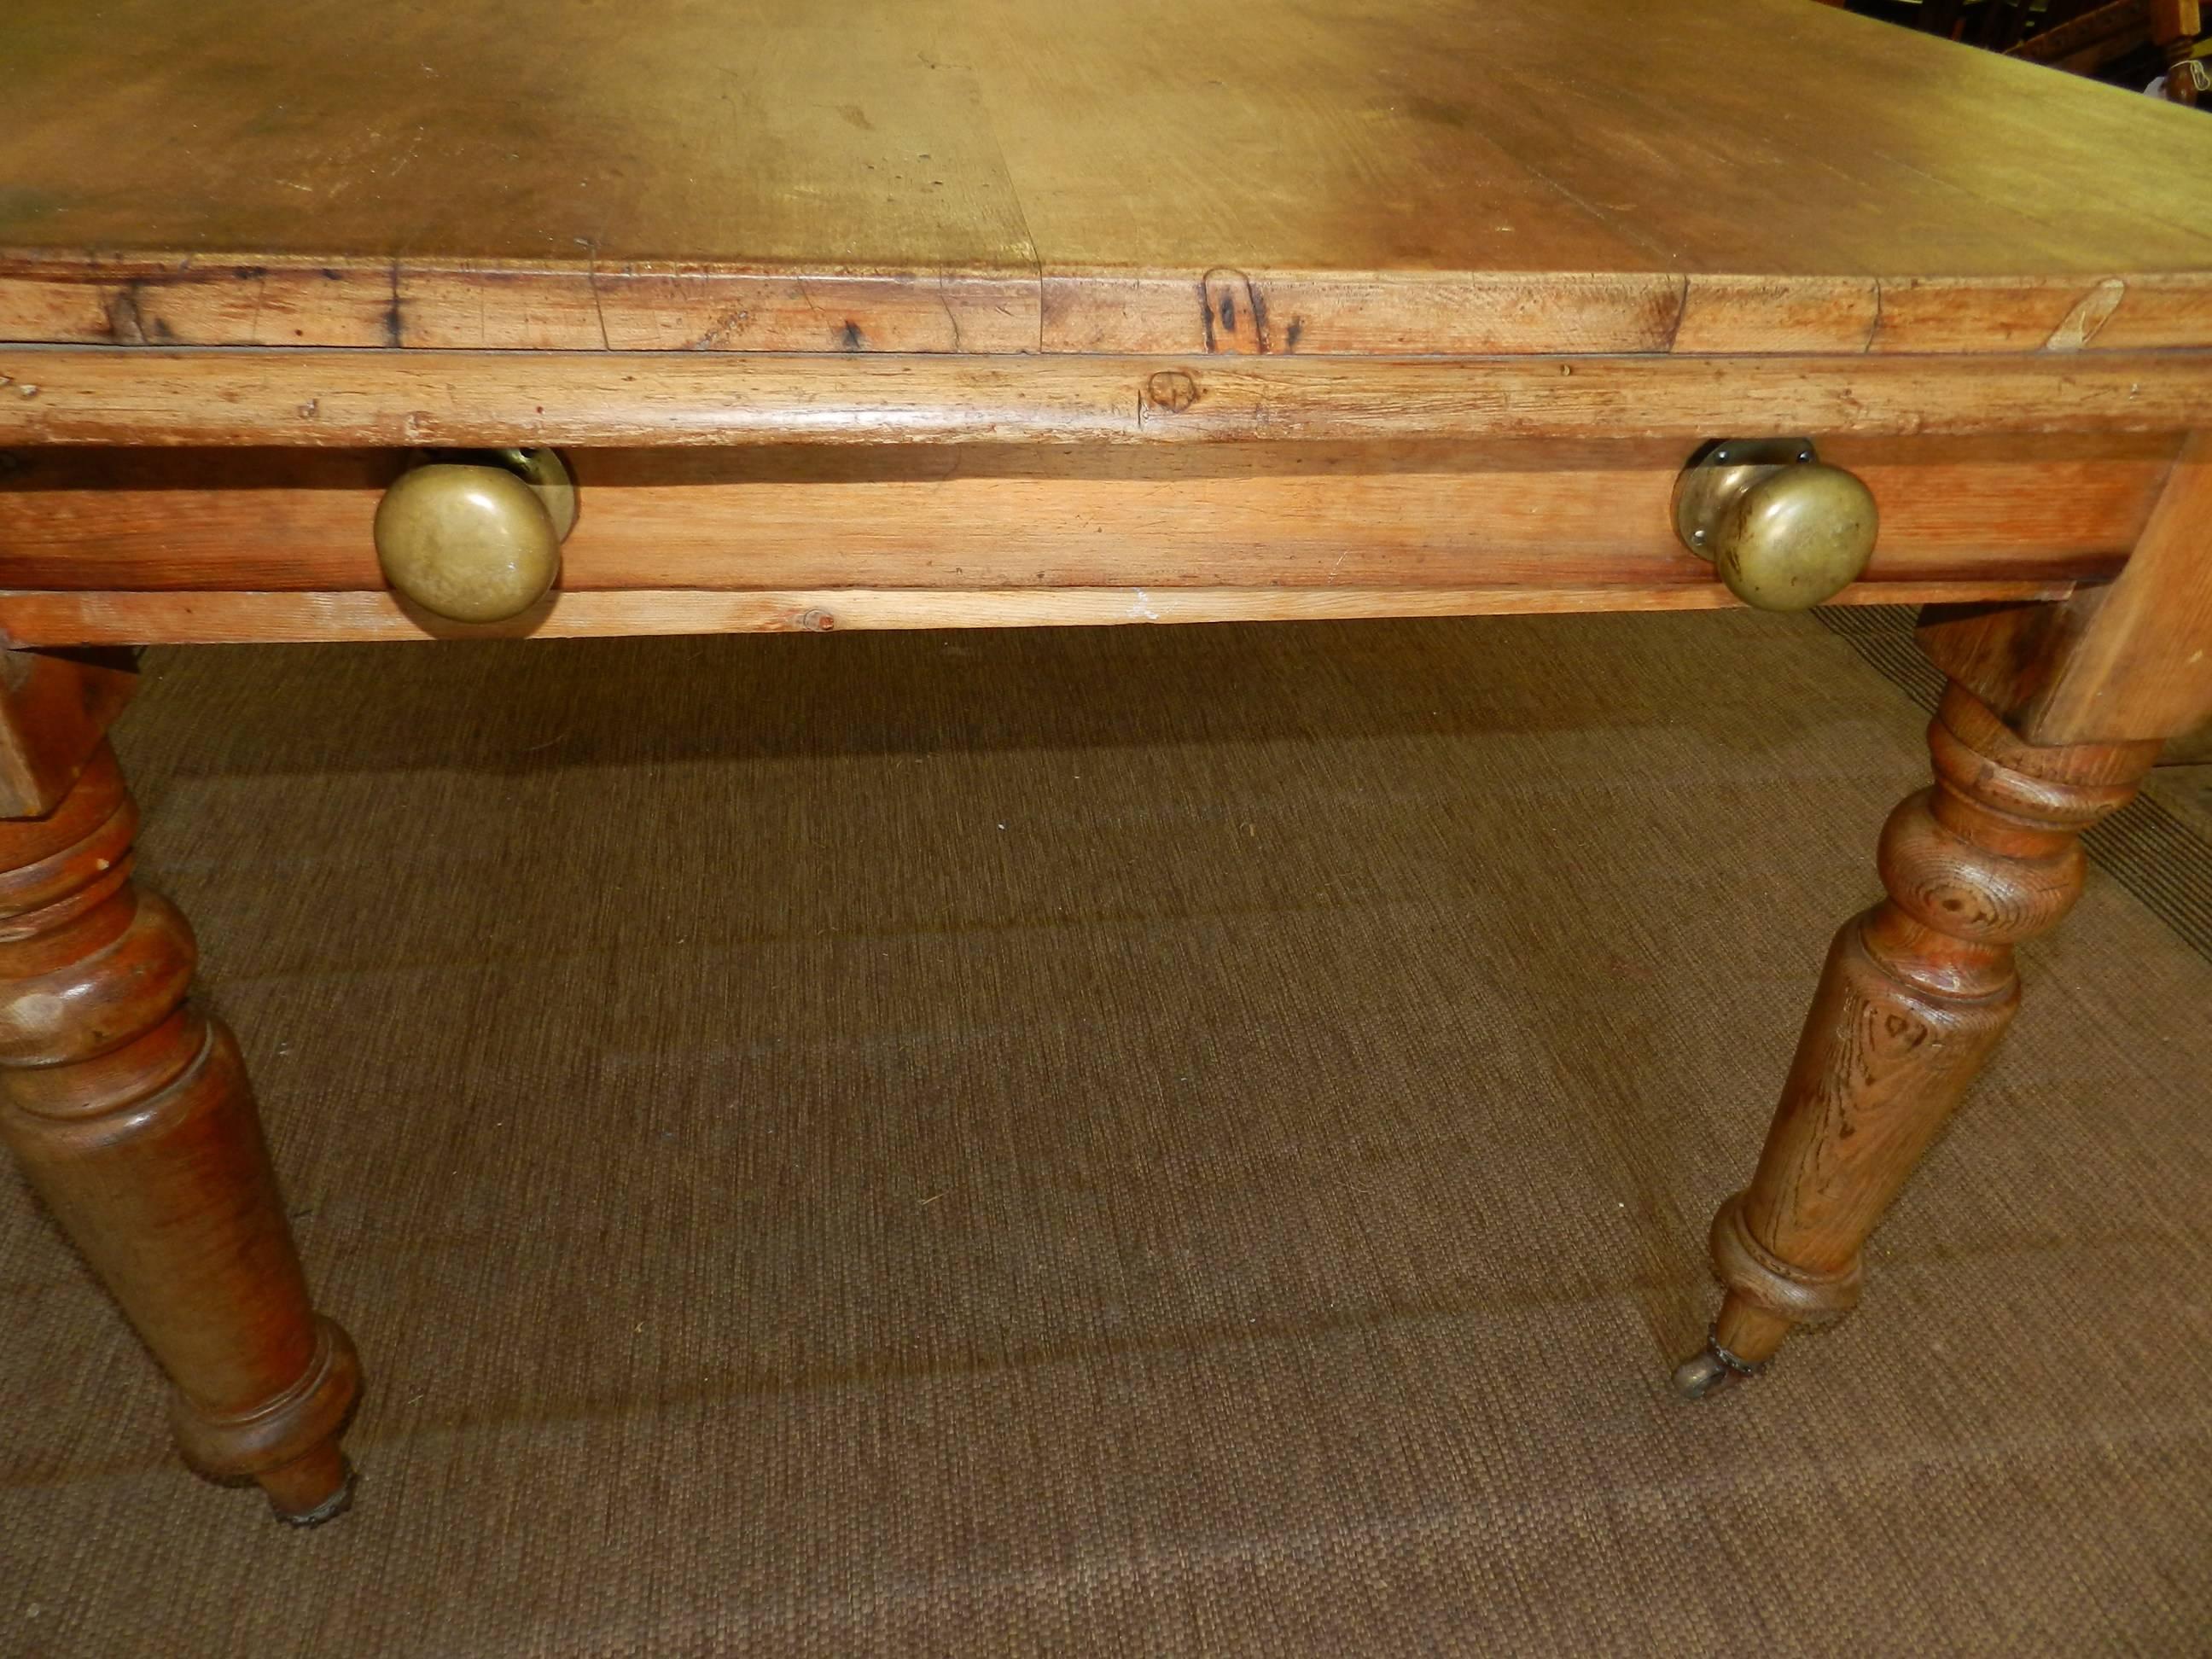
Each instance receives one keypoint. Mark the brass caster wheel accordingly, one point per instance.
(1710, 1369)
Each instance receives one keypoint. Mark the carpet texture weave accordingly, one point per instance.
(1143, 1141)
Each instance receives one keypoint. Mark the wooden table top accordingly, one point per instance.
(1343, 176)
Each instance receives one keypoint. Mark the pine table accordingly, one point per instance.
(328, 321)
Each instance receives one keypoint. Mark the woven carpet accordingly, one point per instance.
(1144, 1141)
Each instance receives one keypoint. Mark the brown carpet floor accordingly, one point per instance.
(1141, 1141)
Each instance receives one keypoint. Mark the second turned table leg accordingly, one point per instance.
(129, 1111)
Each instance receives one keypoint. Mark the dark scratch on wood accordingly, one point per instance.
(1256, 302)
(1216, 293)
(944, 301)
(591, 281)
(393, 332)
(1681, 310)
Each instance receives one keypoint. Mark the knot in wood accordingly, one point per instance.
(1171, 389)
(1969, 890)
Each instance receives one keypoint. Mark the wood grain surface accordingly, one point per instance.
(996, 176)
(52, 395)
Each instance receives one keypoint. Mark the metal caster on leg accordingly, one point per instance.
(1712, 1369)
(301, 1495)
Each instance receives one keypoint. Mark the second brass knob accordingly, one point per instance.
(475, 538)
(1783, 531)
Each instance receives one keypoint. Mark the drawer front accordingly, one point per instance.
(1538, 524)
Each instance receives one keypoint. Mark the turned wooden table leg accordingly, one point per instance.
(1915, 995)
(128, 1108)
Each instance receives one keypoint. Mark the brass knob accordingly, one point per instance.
(475, 535)
(1783, 531)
